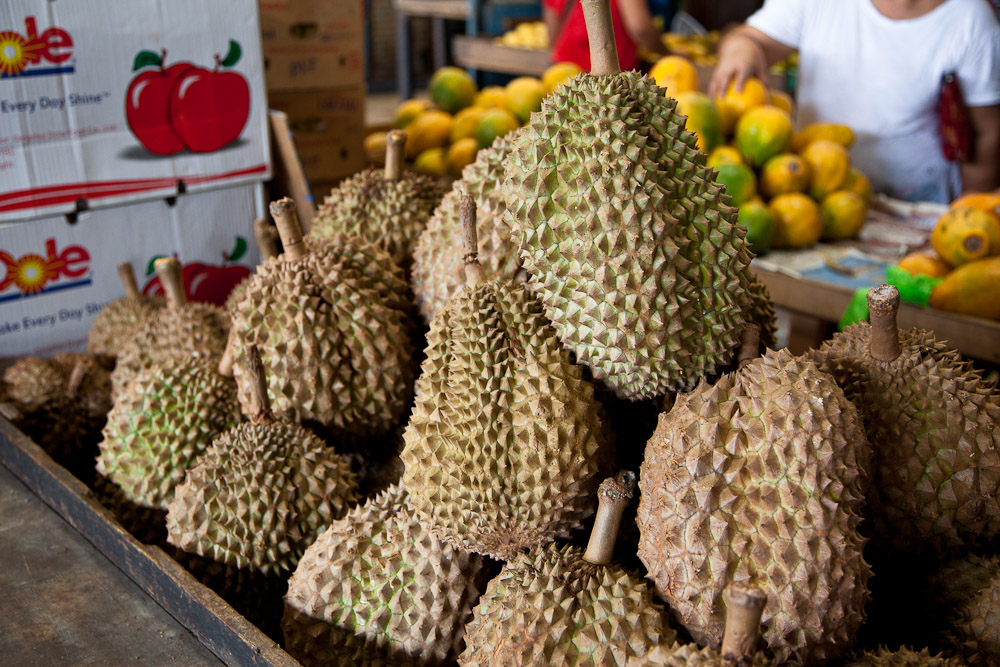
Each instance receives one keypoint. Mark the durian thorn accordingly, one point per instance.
(744, 606)
(470, 241)
(266, 237)
(169, 271)
(289, 229)
(612, 497)
(127, 275)
(883, 305)
(226, 362)
(77, 375)
(601, 34)
(259, 405)
(749, 345)
(395, 141)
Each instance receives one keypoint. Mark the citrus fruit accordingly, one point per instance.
(734, 104)
(559, 73)
(965, 233)
(740, 181)
(796, 221)
(759, 222)
(431, 161)
(460, 154)
(988, 201)
(408, 111)
(828, 166)
(971, 289)
(375, 147)
(763, 132)
(783, 101)
(452, 89)
(675, 74)
(431, 129)
(491, 97)
(465, 122)
(702, 118)
(840, 134)
(858, 183)
(724, 155)
(923, 263)
(494, 123)
(843, 215)
(784, 173)
(524, 95)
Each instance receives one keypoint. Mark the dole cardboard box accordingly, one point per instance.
(104, 102)
(56, 276)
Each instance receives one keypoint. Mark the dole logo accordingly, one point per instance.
(19, 52)
(33, 274)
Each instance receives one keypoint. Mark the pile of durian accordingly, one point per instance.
(371, 491)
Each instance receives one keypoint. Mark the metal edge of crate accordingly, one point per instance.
(223, 631)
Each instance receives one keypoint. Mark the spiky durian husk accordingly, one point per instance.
(334, 334)
(968, 594)
(31, 381)
(630, 243)
(904, 657)
(551, 607)
(934, 425)
(112, 327)
(692, 655)
(762, 311)
(258, 496)
(760, 478)
(390, 214)
(438, 273)
(156, 430)
(378, 587)
(194, 331)
(504, 448)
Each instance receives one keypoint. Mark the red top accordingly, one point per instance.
(572, 45)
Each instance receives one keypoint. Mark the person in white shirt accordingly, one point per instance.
(877, 65)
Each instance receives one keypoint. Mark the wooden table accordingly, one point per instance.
(483, 53)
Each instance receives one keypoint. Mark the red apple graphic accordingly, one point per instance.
(207, 283)
(209, 109)
(146, 103)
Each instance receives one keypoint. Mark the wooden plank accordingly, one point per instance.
(974, 337)
(446, 9)
(228, 635)
(482, 53)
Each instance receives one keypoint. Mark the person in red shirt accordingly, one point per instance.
(633, 28)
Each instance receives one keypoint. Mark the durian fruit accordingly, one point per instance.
(256, 499)
(505, 445)
(378, 587)
(266, 237)
(561, 606)
(903, 657)
(934, 425)
(633, 248)
(182, 330)
(160, 424)
(438, 270)
(333, 323)
(967, 592)
(760, 478)
(388, 207)
(117, 320)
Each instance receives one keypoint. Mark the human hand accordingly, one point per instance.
(740, 57)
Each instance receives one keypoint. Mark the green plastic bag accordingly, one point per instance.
(912, 289)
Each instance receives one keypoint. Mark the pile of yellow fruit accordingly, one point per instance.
(966, 254)
(445, 133)
(532, 35)
(700, 49)
(793, 188)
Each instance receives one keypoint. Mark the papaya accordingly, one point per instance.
(740, 182)
(452, 89)
(702, 118)
(923, 263)
(675, 74)
(988, 201)
(797, 223)
(840, 134)
(408, 111)
(734, 104)
(971, 289)
(859, 184)
(724, 155)
(431, 129)
(828, 166)
(843, 214)
(762, 133)
(784, 173)
(559, 73)
(965, 233)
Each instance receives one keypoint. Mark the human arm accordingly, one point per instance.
(982, 173)
(551, 18)
(745, 52)
(638, 23)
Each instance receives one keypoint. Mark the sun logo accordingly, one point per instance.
(16, 52)
(31, 273)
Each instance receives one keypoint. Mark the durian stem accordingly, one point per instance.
(883, 304)
(259, 405)
(612, 498)
(226, 362)
(289, 228)
(601, 34)
(127, 275)
(749, 344)
(470, 241)
(744, 606)
(266, 237)
(78, 374)
(395, 141)
(169, 271)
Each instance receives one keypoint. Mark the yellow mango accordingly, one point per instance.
(971, 289)
(840, 134)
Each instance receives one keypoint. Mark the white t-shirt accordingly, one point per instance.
(882, 77)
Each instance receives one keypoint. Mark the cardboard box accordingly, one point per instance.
(328, 127)
(109, 102)
(313, 43)
(56, 276)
